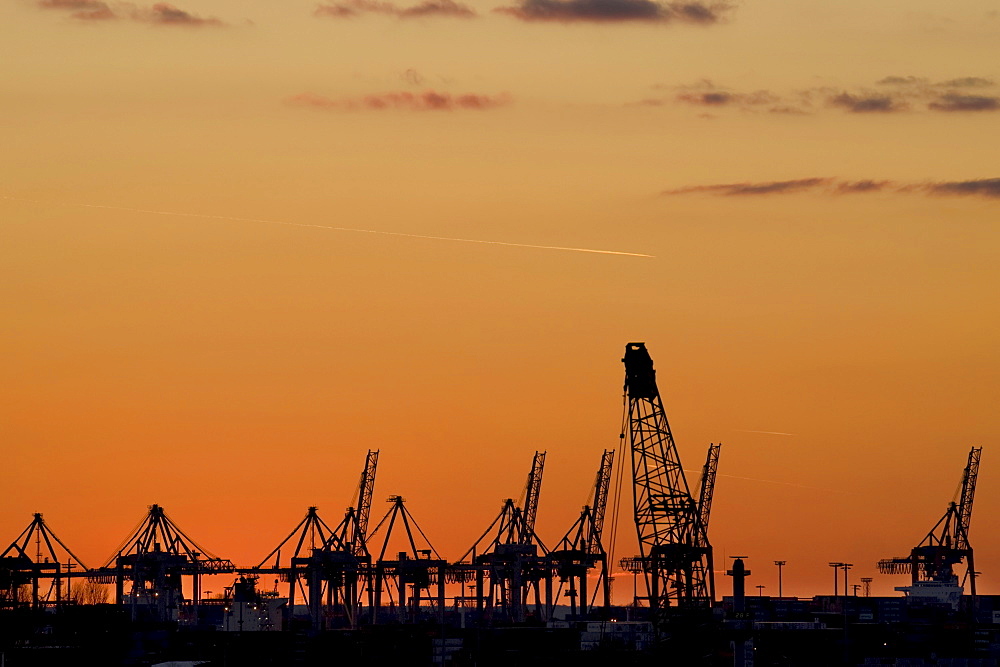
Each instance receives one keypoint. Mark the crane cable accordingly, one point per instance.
(619, 478)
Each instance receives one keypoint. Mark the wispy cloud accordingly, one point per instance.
(428, 100)
(616, 11)
(866, 103)
(163, 13)
(748, 188)
(428, 8)
(160, 13)
(956, 102)
(891, 94)
(985, 187)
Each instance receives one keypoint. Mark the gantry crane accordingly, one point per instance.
(514, 560)
(153, 559)
(408, 575)
(676, 556)
(38, 554)
(582, 549)
(931, 563)
(328, 565)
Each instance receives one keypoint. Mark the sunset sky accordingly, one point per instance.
(235, 254)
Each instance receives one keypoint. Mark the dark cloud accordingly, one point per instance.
(712, 99)
(765, 188)
(984, 187)
(706, 94)
(865, 103)
(163, 13)
(73, 5)
(901, 81)
(83, 10)
(428, 100)
(437, 8)
(859, 187)
(955, 102)
(612, 11)
(427, 8)
(967, 82)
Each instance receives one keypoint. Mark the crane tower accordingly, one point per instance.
(676, 556)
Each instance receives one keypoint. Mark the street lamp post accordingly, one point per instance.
(836, 577)
(780, 564)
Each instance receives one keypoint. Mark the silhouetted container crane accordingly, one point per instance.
(152, 560)
(413, 573)
(329, 567)
(931, 564)
(38, 554)
(676, 555)
(514, 563)
(581, 549)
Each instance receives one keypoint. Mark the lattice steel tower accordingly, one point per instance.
(676, 554)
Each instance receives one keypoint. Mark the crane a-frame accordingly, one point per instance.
(931, 563)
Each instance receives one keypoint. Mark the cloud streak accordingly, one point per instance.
(429, 8)
(616, 11)
(985, 187)
(428, 100)
(160, 13)
(892, 95)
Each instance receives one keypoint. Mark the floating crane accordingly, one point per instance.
(581, 549)
(931, 563)
(676, 556)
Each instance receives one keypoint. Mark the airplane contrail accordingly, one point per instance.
(743, 430)
(336, 229)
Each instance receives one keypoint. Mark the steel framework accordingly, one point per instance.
(38, 554)
(947, 543)
(511, 566)
(675, 550)
(581, 549)
(153, 559)
(412, 573)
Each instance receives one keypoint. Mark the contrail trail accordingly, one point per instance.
(337, 229)
(743, 430)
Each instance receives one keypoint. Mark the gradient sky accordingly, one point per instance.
(818, 184)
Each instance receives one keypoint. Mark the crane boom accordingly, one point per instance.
(532, 490)
(969, 477)
(601, 487)
(707, 489)
(366, 488)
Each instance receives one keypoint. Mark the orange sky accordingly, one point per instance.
(236, 371)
